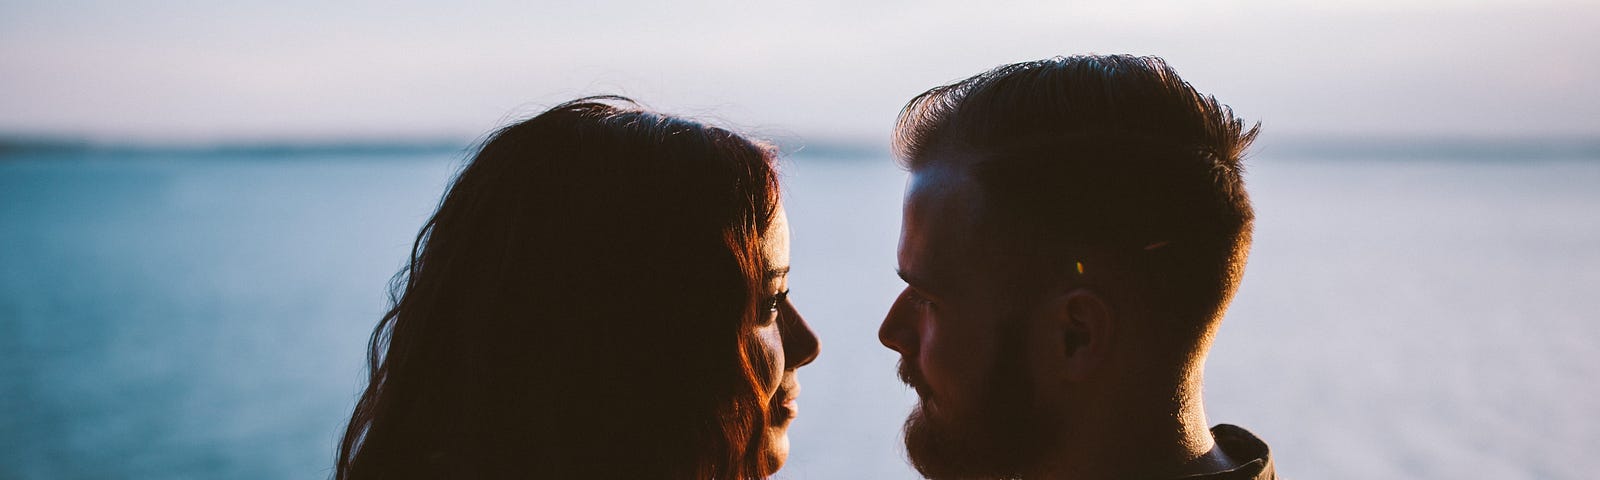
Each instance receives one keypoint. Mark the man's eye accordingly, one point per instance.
(918, 300)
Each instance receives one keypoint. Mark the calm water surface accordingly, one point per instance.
(205, 316)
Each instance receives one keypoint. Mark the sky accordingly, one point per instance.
(293, 70)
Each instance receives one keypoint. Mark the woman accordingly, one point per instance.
(601, 294)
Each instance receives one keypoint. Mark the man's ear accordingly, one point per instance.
(1081, 328)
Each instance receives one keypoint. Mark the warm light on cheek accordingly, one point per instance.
(771, 361)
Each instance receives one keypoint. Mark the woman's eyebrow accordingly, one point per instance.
(777, 272)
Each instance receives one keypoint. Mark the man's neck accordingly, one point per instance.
(1138, 436)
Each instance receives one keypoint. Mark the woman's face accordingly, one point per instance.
(786, 340)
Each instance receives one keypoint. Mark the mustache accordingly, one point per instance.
(911, 375)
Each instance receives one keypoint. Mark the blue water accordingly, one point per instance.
(205, 316)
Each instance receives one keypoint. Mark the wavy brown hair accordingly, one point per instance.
(579, 307)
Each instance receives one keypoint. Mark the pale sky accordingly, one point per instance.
(207, 71)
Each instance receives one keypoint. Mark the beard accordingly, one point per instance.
(1004, 434)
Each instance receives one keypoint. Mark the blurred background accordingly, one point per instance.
(201, 204)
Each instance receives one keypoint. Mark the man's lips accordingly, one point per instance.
(911, 377)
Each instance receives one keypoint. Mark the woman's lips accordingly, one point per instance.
(787, 402)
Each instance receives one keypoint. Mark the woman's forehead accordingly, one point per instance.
(775, 244)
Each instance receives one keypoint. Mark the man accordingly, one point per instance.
(1074, 230)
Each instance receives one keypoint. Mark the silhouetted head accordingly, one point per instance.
(1074, 229)
(601, 294)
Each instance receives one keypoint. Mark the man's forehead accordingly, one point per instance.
(939, 236)
(939, 191)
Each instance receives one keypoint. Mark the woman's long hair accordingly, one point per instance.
(579, 307)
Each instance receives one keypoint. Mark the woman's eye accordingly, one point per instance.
(773, 303)
(776, 300)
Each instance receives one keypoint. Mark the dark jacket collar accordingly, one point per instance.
(1241, 446)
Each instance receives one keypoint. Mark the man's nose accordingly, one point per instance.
(898, 331)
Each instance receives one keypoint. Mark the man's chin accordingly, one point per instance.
(940, 449)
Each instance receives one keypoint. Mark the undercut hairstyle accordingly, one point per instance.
(1108, 171)
(579, 306)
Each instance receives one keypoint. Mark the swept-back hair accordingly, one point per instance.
(577, 308)
(1111, 170)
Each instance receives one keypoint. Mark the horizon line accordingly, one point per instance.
(1314, 145)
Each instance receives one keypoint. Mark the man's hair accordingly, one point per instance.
(1105, 170)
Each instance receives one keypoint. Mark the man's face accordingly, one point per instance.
(959, 341)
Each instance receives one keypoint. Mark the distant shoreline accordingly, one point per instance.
(1325, 147)
(11, 146)
(8, 147)
(1430, 147)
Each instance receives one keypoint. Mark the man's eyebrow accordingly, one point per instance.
(923, 285)
(910, 279)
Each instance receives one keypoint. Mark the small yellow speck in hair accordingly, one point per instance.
(1080, 268)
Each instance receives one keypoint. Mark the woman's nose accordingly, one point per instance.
(800, 344)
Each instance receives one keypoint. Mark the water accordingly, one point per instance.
(205, 316)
